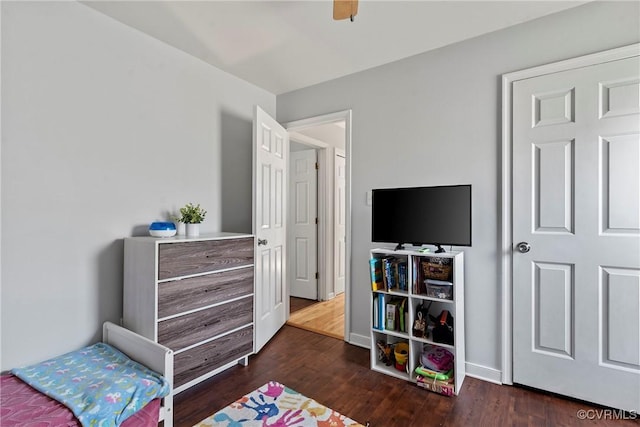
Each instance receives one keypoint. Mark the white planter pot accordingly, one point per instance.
(180, 228)
(193, 230)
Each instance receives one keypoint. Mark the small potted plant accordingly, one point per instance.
(192, 215)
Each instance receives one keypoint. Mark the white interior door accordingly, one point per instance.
(340, 238)
(303, 241)
(270, 152)
(576, 204)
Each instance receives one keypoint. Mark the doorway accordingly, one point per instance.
(318, 302)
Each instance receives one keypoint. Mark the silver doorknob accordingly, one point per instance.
(262, 242)
(524, 247)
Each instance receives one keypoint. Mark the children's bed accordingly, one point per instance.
(21, 404)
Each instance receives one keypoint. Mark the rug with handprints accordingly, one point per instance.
(276, 405)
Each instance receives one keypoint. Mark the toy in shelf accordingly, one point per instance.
(420, 324)
(443, 328)
(385, 353)
(396, 355)
(436, 370)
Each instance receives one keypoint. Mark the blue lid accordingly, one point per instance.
(162, 226)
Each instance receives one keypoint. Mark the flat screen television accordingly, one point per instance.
(422, 216)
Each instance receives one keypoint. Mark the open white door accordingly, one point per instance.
(304, 225)
(270, 151)
(576, 231)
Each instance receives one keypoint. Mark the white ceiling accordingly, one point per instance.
(286, 45)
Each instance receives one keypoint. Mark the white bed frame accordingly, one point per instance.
(150, 354)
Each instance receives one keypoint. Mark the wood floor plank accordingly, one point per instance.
(296, 304)
(325, 317)
(337, 375)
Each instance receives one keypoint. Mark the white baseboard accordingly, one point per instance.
(360, 340)
(483, 373)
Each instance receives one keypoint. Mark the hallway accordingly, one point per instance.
(322, 317)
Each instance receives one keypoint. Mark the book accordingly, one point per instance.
(414, 275)
(375, 312)
(445, 387)
(387, 273)
(402, 314)
(391, 317)
(395, 270)
(381, 307)
(377, 283)
(420, 287)
(402, 276)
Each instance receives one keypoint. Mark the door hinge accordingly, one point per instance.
(317, 275)
(317, 166)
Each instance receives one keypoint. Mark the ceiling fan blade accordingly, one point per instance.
(343, 9)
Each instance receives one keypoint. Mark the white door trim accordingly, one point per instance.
(506, 208)
(323, 119)
(338, 153)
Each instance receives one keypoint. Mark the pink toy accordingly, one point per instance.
(436, 358)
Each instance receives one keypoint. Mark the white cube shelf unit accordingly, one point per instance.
(415, 295)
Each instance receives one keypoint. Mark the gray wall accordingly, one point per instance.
(104, 130)
(434, 119)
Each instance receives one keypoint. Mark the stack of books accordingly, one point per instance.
(445, 387)
(391, 315)
(435, 372)
(388, 273)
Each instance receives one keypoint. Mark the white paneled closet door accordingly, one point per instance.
(576, 215)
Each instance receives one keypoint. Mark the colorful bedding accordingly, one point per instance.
(99, 384)
(22, 405)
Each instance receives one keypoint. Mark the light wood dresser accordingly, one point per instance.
(195, 296)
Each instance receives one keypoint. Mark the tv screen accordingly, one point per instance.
(422, 215)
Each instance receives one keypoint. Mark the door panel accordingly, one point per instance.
(620, 188)
(271, 143)
(553, 309)
(620, 321)
(576, 201)
(553, 186)
(304, 230)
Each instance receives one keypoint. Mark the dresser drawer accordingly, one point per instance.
(183, 331)
(185, 258)
(203, 359)
(194, 292)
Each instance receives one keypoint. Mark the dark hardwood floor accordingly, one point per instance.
(337, 375)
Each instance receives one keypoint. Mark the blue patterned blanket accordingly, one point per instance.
(99, 384)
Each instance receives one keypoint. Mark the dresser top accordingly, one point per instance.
(219, 235)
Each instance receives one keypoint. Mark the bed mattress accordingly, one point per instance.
(21, 405)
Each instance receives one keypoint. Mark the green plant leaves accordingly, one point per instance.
(192, 214)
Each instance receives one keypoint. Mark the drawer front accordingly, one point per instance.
(195, 292)
(184, 258)
(183, 331)
(200, 360)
